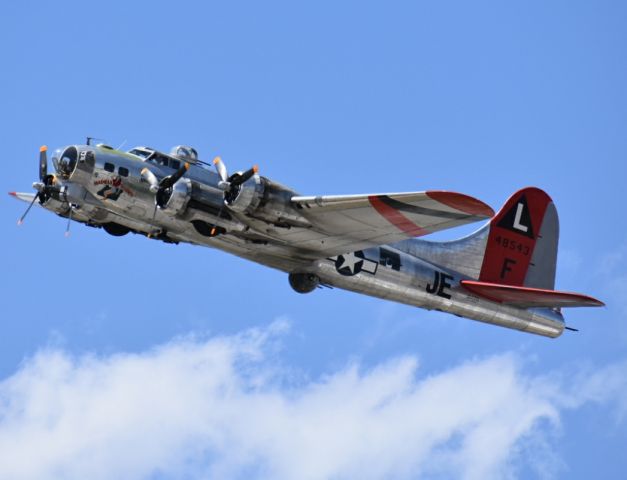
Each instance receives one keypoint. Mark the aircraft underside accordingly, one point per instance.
(502, 275)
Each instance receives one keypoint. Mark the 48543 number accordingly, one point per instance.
(512, 245)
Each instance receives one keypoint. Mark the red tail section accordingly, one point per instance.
(512, 259)
(514, 234)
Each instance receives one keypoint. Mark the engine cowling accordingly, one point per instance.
(246, 197)
(174, 200)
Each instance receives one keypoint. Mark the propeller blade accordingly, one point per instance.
(21, 220)
(69, 221)
(221, 168)
(239, 178)
(43, 162)
(170, 180)
(151, 179)
(152, 222)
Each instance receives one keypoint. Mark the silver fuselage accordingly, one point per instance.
(106, 188)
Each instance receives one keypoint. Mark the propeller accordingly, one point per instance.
(228, 183)
(166, 183)
(222, 172)
(151, 179)
(43, 163)
(162, 189)
(21, 220)
(69, 221)
(45, 184)
(170, 180)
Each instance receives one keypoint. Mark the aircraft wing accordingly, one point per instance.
(345, 223)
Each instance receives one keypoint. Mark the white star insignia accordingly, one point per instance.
(350, 261)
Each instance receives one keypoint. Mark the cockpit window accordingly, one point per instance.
(160, 159)
(140, 152)
(163, 160)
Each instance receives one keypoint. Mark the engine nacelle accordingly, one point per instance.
(304, 282)
(174, 200)
(246, 197)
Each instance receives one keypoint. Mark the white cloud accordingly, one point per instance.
(224, 408)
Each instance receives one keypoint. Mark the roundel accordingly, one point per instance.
(350, 263)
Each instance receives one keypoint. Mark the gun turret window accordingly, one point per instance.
(68, 161)
(109, 167)
(123, 172)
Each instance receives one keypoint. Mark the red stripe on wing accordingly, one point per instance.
(396, 218)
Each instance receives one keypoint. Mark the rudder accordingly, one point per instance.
(521, 248)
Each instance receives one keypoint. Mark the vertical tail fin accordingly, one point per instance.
(521, 249)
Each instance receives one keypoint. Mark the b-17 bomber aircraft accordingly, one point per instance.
(503, 274)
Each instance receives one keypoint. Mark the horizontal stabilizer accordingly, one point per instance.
(527, 297)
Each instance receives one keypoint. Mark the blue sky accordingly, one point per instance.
(327, 97)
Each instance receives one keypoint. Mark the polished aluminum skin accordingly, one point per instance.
(356, 242)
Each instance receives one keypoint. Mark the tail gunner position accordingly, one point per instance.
(503, 274)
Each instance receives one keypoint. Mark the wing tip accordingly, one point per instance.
(462, 202)
(13, 194)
